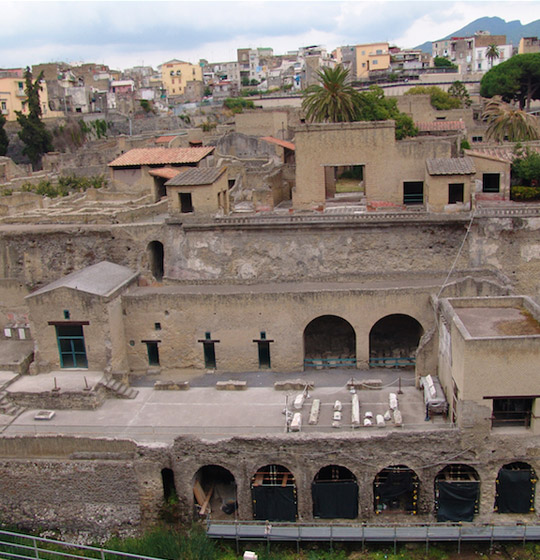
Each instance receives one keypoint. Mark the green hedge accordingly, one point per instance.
(525, 193)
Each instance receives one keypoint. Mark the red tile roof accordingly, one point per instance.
(438, 126)
(282, 143)
(164, 139)
(165, 172)
(161, 156)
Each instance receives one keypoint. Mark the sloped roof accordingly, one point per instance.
(502, 153)
(101, 279)
(164, 139)
(437, 126)
(165, 172)
(282, 143)
(196, 176)
(161, 156)
(450, 166)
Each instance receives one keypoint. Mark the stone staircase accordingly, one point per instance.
(7, 407)
(120, 390)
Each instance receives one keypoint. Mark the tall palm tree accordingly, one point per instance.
(507, 122)
(333, 100)
(492, 53)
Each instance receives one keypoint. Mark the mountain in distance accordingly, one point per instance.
(513, 30)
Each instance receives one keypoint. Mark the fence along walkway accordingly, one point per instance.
(296, 532)
(27, 547)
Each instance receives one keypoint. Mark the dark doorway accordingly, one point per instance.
(263, 348)
(457, 493)
(209, 355)
(71, 346)
(153, 353)
(455, 193)
(273, 491)
(186, 203)
(169, 487)
(329, 341)
(393, 341)
(214, 489)
(413, 192)
(515, 488)
(335, 493)
(395, 490)
(156, 257)
(491, 182)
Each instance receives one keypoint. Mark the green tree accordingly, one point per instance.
(526, 169)
(507, 122)
(442, 62)
(459, 91)
(374, 106)
(37, 139)
(517, 79)
(440, 99)
(492, 53)
(333, 100)
(4, 140)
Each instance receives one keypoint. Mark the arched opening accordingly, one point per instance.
(214, 489)
(273, 491)
(395, 490)
(335, 493)
(457, 493)
(393, 341)
(155, 256)
(329, 341)
(515, 488)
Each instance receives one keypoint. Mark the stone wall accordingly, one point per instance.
(100, 487)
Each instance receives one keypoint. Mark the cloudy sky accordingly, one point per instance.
(126, 33)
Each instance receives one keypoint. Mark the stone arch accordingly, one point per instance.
(395, 489)
(515, 488)
(457, 493)
(214, 490)
(334, 492)
(329, 341)
(393, 340)
(273, 491)
(156, 256)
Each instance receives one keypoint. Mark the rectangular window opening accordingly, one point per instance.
(491, 182)
(455, 193)
(71, 346)
(186, 203)
(413, 192)
(512, 412)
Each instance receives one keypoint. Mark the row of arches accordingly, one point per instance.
(335, 492)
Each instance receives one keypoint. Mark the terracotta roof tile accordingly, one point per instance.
(434, 126)
(503, 153)
(165, 172)
(450, 166)
(164, 139)
(196, 176)
(282, 143)
(161, 156)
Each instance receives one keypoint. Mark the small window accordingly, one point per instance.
(491, 182)
(66, 314)
(512, 412)
(157, 326)
(186, 203)
(477, 138)
(375, 62)
(455, 193)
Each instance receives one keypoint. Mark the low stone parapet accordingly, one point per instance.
(231, 385)
(171, 385)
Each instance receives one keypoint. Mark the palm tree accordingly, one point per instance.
(333, 100)
(492, 53)
(507, 122)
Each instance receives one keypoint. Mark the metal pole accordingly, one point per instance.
(36, 551)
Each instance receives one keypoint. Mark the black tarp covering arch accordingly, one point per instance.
(273, 491)
(396, 488)
(457, 493)
(515, 489)
(335, 493)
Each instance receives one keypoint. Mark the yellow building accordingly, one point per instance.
(371, 57)
(175, 75)
(13, 97)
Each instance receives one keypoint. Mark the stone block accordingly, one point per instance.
(231, 385)
(171, 385)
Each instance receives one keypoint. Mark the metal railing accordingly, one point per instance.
(364, 533)
(392, 362)
(21, 546)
